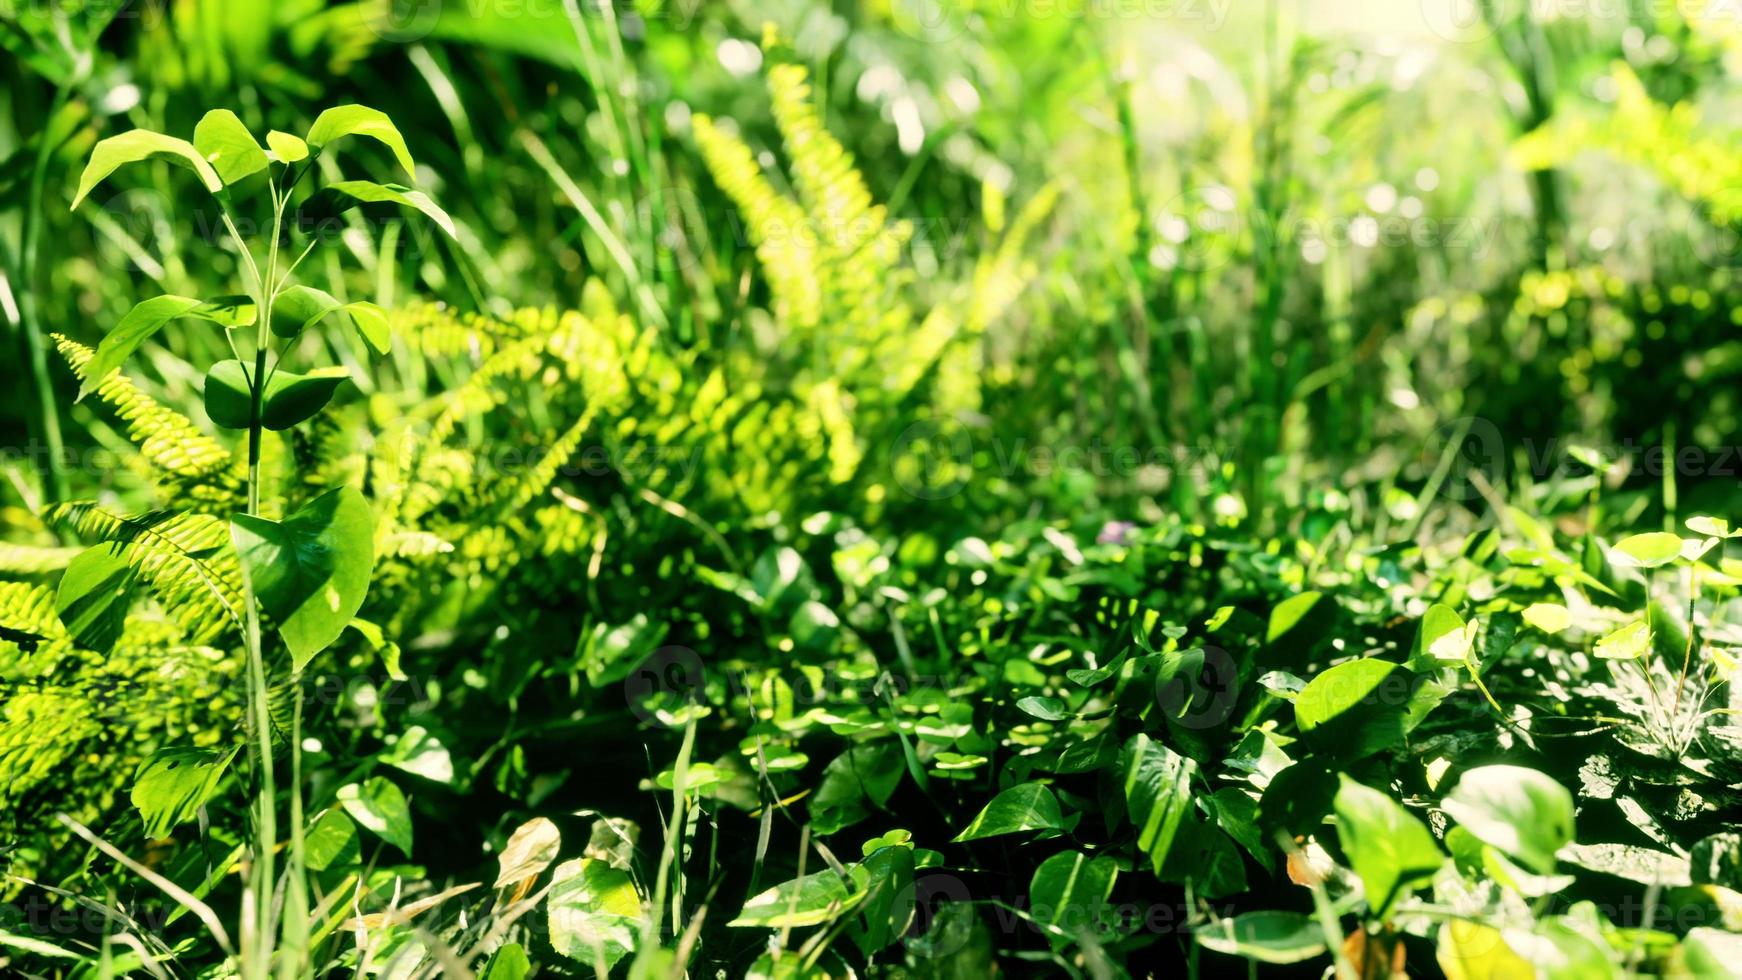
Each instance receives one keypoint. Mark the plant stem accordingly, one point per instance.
(47, 412)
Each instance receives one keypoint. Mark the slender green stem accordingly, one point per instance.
(47, 411)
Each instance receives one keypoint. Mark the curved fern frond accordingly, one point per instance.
(181, 456)
(186, 559)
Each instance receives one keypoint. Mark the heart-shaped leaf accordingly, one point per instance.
(360, 120)
(285, 147)
(1647, 550)
(379, 807)
(594, 911)
(1518, 811)
(1627, 643)
(94, 594)
(174, 783)
(290, 398)
(310, 571)
(1387, 846)
(1023, 807)
(228, 146)
(143, 144)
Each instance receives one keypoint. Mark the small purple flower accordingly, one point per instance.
(1115, 532)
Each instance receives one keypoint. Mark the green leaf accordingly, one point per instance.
(1516, 810)
(1157, 784)
(1289, 613)
(340, 196)
(1023, 807)
(1647, 550)
(1044, 708)
(148, 318)
(310, 571)
(1550, 617)
(1445, 636)
(1627, 643)
(808, 901)
(380, 808)
(1473, 951)
(360, 120)
(36, 947)
(1715, 527)
(143, 144)
(1356, 708)
(228, 146)
(508, 963)
(421, 754)
(290, 398)
(887, 911)
(1069, 892)
(1387, 846)
(95, 591)
(858, 778)
(1265, 937)
(593, 911)
(331, 841)
(172, 785)
(1709, 952)
(372, 325)
(285, 147)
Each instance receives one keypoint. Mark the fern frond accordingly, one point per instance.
(185, 558)
(181, 455)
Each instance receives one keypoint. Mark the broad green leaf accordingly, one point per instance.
(94, 594)
(1157, 789)
(1518, 811)
(1709, 952)
(421, 754)
(1205, 858)
(172, 785)
(143, 144)
(1473, 951)
(808, 901)
(1356, 708)
(1627, 643)
(1289, 613)
(1387, 846)
(1044, 708)
(854, 781)
(1715, 527)
(593, 911)
(299, 307)
(1550, 617)
(380, 808)
(228, 146)
(1069, 892)
(310, 571)
(290, 398)
(331, 841)
(510, 962)
(1445, 636)
(1265, 937)
(1023, 807)
(1647, 550)
(285, 147)
(530, 849)
(150, 316)
(342, 195)
(887, 909)
(360, 120)
(372, 325)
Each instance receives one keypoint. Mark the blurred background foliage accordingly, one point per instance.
(1293, 242)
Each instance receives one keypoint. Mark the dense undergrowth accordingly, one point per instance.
(824, 508)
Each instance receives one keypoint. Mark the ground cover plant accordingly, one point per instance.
(869, 490)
